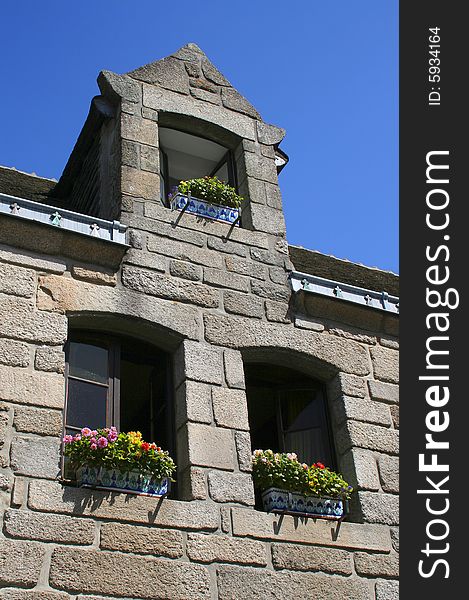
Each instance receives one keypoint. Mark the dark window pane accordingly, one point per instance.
(86, 404)
(143, 395)
(89, 361)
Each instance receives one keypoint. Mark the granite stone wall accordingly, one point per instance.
(215, 298)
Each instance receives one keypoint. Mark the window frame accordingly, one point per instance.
(114, 344)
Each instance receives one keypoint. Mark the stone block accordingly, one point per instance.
(377, 565)
(273, 196)
(379, 508)
(20, 489)
(163, 286)
(193, 403)
(20, 562)
(223, 279)
(243, 304)
(261, 167)
(306, 558)
(17, 594)
(245, 267)
(198, 362)
(368, 436)
(145, 259)
(48, 527)
(50, 496)
(183, 251)
(42, 421)
(347, 407)
(395, 416)
(306, 323)
(35, 456)
(23, 258)
(350, 536)
(395, 538)
(385, 364)
(14, 354)
(223, 245)
(192, 484)
(50, 359)
(89, 571)
(384, 392)
(121, 86)
(252, 584)
(230, 408)
(277, 312)
(389, 473)
(20, 320)
(138, 129)
(93, 276)
(40, 389)
(327, 353)
(185, 270)
(141, 540)
(254, 189)
(360, 469)
(353, 334)
(243, 449)
(142, 184)
(269, 134)
(231, 487)
(344, 384)
(387, 590)
(170, 230)
(268, 257)
(270, 291)
(17, 281)
(233, 100)
(267, 219)
(149, 159)
(205, 446)
(221, 548)
(130, 153)
(234, 369)
(205, 95)
(6, 482)
(164, 100)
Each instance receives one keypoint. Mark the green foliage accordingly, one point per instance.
(284, 471)
(211, 190)
(111, 450)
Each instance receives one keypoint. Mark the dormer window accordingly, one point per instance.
(185, 156)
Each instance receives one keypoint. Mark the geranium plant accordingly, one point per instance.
(126, 452)
(211, 190)
(286, 472)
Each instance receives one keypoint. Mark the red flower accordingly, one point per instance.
(145, 446)
(319, 465)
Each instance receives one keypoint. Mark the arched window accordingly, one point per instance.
(118, 381)
(187, 156)
(288, 413)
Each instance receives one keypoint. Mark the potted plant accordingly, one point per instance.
(207, 197)
(289, 486)
(106, 459)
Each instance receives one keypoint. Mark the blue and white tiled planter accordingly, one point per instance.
(132, 482)
(277, 500)
(204, 209)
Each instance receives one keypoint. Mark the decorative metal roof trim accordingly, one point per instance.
(303, 282)
(112, 231)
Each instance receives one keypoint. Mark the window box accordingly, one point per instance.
(216, 212)
(284, 502)
(114, 480)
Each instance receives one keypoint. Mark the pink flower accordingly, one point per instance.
(86, 432)
(94, 433)
(93, 446)
(102, 442)
(68, 439)
(112, 435)
(77, 438)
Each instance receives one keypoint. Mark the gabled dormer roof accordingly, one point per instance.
(189, 71)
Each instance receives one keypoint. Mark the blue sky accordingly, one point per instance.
(325, 71)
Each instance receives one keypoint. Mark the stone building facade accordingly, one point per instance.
(98, 251)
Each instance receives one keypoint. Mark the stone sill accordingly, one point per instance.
(55, 241)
